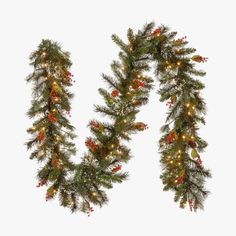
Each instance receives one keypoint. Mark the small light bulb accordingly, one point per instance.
(54, 83)
(179, 151)
(45, 64)
(125, 133)
(171, 162)
(44, 53)
(112, 146)
(179, 164)
(33, 128)
(189, 113)
(178, 63)
(183, 137)
(106, 158)
(128, 93)
(139, 76)
(56, 99)
(41, 153)
(43, 129)
(94, 194)
(192, 137)
(193, 107)
(187, 105)
(54, 110)
(178, 156)
(125, 120)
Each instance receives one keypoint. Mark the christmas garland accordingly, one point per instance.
(82, 185)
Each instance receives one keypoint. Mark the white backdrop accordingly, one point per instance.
(138, 206)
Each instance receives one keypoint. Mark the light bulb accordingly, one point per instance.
(94, 194)
(183, 137)
(178, 63)
(187, 105)
(179, 151)
(189, 113)
(41, 153)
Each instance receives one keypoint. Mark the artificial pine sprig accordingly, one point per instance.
(128, 90)
(51, 131)
(180, 145)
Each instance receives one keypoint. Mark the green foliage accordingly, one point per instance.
(51, 132)
(128, 90)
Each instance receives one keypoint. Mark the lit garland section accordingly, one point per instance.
(51, 132)
(128, 90)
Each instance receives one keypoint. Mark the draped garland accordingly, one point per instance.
(80, 186)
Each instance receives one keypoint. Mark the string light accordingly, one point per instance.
(171, 162)
(125, 120)
(33, 128)
(43, 129)
(189, 113)
(183, 137)
(106, 157)
(128, 93)
(41, 153)
(44, 53)
(178, 63)
(187, 105)
(56, 99)
(54, 83)
(193, 107)
(192, 137)
(139, 76)
(61, 162)
(126, 134)
(112, 146)
(54, 110)
(179, 151)
(179, 163)
(94, 194)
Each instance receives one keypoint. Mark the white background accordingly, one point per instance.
(138, 206)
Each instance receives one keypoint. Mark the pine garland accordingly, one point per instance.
(51, 132)
(128, 90)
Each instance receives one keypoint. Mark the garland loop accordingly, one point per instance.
(79, 186)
